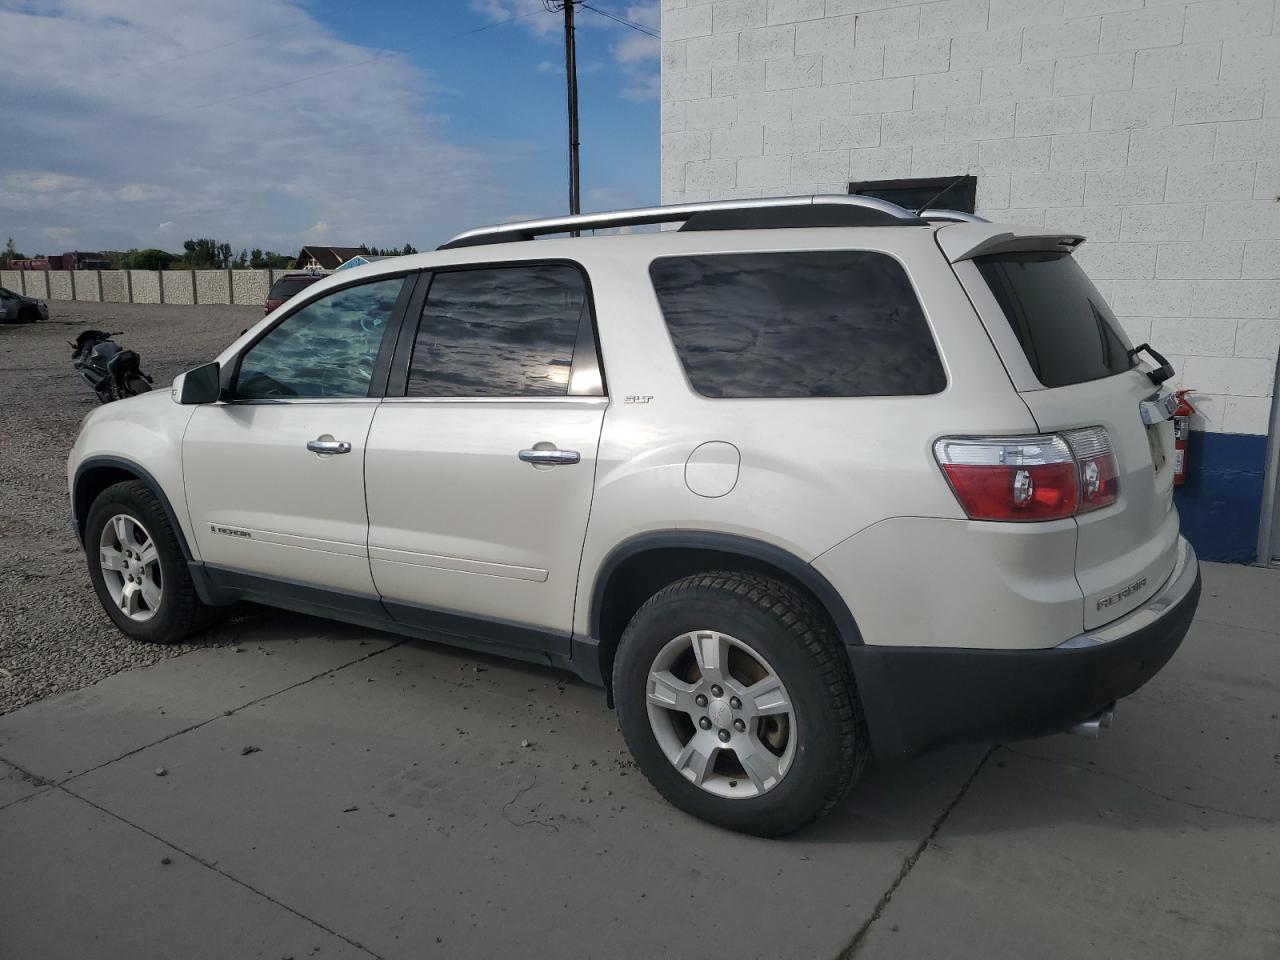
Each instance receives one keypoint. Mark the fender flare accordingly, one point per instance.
(776, 556)
(869, 672)
(129, 466)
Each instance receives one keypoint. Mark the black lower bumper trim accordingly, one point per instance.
(918, 698)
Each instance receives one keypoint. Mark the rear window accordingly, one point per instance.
(286, 287)
(805, 324)
(1065, 327)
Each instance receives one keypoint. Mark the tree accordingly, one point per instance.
(10, 253)
(256, 259)
(149, 259)
(408, 249)
(207, 254)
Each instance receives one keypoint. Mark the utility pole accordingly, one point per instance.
(571, 73)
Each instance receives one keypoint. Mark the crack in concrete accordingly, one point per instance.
(1143, 788)
(39, 783)
(45, 784)
(859, 938)
(212, 865)
(229, 713)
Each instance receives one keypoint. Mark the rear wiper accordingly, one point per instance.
(1161, 373)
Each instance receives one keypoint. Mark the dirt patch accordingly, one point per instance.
(54, 635)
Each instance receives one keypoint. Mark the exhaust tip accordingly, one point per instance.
(1094, 726)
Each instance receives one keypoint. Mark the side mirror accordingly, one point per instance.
(201, 385)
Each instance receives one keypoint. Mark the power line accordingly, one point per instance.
(622, 20)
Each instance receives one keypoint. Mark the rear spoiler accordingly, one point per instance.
(964, 241)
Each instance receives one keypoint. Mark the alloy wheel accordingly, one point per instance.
(721, 714)
(130, 567)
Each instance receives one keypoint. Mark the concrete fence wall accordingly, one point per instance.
(144, 286)
(213, 286)
(60, 285)
(87, 285)
(178, 286)
(115, 286)
(37, 285)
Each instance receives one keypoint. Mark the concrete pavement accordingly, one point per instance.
(391, 809)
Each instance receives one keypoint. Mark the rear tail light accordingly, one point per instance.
(1041, 477)
(1099, 472)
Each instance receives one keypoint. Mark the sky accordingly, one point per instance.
(273, 123)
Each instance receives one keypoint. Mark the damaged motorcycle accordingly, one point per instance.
(112, 371)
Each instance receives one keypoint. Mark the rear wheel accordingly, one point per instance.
(137, 568)
(737, 700)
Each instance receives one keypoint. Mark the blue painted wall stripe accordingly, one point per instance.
(1221, 503)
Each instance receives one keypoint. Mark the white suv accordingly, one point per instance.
(806, 481)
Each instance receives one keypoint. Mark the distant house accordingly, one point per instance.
(359, 260)
(325, 258)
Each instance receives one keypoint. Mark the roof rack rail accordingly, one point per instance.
(817, 210)
(958, 215)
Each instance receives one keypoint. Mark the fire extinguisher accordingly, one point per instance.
(1181, 434)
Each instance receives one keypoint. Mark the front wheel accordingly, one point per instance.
(137, 568)
(738, 703)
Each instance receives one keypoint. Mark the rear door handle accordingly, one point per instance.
(550, 456)
(328, 446)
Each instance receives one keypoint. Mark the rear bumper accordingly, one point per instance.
(916, 698)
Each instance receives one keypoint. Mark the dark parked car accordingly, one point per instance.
(15, 308)
(288, 286)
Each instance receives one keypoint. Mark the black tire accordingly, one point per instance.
(180, 613)
(28, 315)
(136, 385)
(801, 645)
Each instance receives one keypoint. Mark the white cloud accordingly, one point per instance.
(532, 13)
(635, 54)
(133, 115)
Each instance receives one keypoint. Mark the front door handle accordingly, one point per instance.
(329, 445)
(550, 456)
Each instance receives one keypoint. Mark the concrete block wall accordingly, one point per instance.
(1153, 129)
(250, 286)
(35, 284)
(179, 286)
(145, 285)
(60, 285)
(87, 285)
(115, 286)
(1150, 126)
(213, 286)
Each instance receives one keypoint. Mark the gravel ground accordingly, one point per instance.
(54, 635)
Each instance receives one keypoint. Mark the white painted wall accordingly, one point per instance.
(1153, 129)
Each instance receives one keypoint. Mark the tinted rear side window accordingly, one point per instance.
(805, 324)
(286, 287)
(1066, 329)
